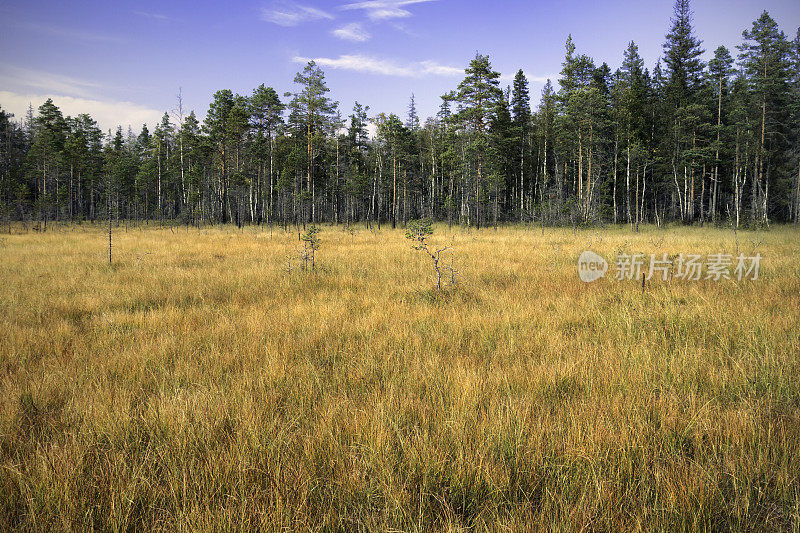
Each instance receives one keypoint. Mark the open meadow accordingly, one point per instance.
(204, 382)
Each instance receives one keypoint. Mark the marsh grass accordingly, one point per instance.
(195, 384)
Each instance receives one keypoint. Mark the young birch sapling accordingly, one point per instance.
(418, 232)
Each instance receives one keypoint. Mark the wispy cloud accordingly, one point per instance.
(29, 79)
(108, 114)
(70, 33)
(505, 78)
(384, 9)
(386, 67)
(352, 32)
(288, 13)
(431, 67)
(154, 16)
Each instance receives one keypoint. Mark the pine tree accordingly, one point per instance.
(521, 122)
(796, 122)
(266, 116)
(162, 146)
(412, 123)
(448, 154)
(764, 57)
(13, 147)
(315, 110)
(80, 149)
(414, 163)
(357, 138)
(216, 127)
(241, 182)
(632, 103)
(546, 120)
(687, 143)
(478, 95)
(720, 70)
(193, 147)
(391, 129)
(45, 156)
(743, 142)
(580, 103)
(682, 51)
(148, 170)
(503, 149)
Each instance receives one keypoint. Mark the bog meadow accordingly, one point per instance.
(198, 383)
(402, 290)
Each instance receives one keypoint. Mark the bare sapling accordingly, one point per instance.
(418, 232)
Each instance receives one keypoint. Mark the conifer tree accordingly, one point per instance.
(478, 95)
(764, 57)
(266, 117)
(314, 110)
(682, 51)
(45, 156)
(521, 123)
(216, 127)
(720, 70)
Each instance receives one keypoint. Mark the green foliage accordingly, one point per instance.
(311, 243)
(418, 231)
(652, 143)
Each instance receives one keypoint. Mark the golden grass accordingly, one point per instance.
(196, 384)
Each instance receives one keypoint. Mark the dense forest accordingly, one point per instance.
(688, 141)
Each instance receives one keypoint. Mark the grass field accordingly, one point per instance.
(197, 384)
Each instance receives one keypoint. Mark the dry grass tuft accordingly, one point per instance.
(197, 384)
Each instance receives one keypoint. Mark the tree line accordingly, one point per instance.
(688, 141)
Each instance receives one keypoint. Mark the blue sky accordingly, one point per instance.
(124, 62)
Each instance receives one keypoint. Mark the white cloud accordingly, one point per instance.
(360, 63)
(18, 78)
(69, 33)
(290, 14)
(508, 78)
(108, 114)
(154, 16)
(352, 32)
(384, 9)
(386, 67)
(431, 67)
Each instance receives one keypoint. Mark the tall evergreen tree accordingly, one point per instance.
(796, 122)
(546, 123)
(217, 128)
(45, 156)
(580, 102)
(266, 115)
(521, 125)
(764, 56)
(503, 147)
(631, 85)
(391, 129)
(682, 51)
(13, 147)
(720, 70)
(315, 110)
(478, 95)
